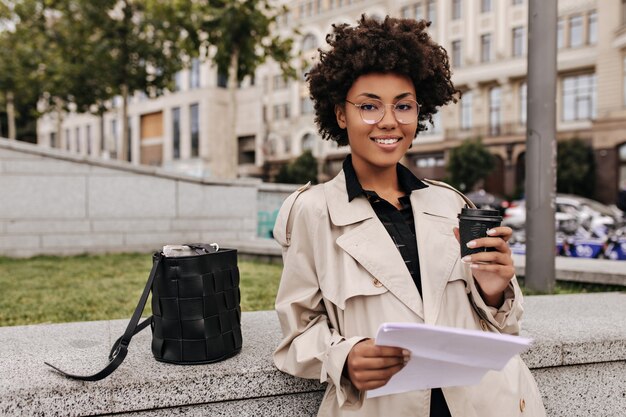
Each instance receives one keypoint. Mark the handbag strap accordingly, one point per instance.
(120, 347)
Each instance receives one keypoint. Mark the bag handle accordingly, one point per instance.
(120, 347)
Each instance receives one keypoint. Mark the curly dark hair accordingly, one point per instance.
(399, 46)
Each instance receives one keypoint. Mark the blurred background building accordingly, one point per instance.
(486, 41)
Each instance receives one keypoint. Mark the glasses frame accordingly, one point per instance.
(359, 105)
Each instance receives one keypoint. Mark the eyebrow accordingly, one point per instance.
(399, 96)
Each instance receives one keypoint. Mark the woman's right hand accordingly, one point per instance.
(370, 366)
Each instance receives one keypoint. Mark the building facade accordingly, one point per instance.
(486, 41)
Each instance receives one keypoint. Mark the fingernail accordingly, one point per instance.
(491, 232)
(466, 259)
(406, 352)
(471, 244)
(474, 266)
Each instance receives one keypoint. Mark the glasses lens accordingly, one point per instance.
(406, 111)
(372, 111)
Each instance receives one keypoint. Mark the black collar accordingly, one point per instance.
(408, 182)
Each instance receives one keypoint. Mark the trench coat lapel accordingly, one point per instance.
(437, 250)
(369, 243)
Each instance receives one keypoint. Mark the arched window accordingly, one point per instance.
(309, 42)
(308, 142)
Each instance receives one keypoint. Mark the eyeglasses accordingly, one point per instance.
(372, 110)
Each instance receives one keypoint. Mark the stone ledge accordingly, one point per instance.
(576, 336)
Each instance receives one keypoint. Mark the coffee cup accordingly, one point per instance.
(473, 224)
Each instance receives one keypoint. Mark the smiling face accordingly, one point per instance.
(378, 146)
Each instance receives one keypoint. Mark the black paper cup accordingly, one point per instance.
(473, 224)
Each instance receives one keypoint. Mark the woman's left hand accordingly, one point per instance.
(492, 270)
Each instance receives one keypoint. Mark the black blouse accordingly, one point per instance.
(400, 225)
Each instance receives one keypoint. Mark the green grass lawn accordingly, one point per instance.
(48, 289)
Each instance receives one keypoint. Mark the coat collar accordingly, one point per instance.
(369, 243)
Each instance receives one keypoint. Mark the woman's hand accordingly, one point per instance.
(492, 270)
(369, 366)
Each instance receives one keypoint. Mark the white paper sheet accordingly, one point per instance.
(444, 356)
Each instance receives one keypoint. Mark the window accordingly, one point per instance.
(53, 140)
(309, 42)
(485, 48)
(559, 33)
(287, 144)
(222, 80)
(280, 82)
(575, 31)
(88, 139)
(418, 13)
(67, 139)
(456, 9)
(485, 6)
(176, 132)
(308, 142)
(195, 130)
(405, 12)
(178, 81)
(592, 28)
(517, 2)
(518, 41)
(579, 97)
(306, 105)
(430, 161)
(114, 138)
(466, 110)
(432, 11)
(523, 103)
(129, 143)
(622, 164)
(435, 128)
(495, 102)
(457, 56)
(194, 74)
(77, 139)
(287, 110)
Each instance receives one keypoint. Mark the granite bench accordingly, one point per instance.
(578, 358)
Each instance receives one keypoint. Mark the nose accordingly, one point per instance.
(389, 119)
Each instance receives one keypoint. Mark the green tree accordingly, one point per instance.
(300, 171)
(575, 171)
(241, 34)
(468, 164)
(20, 54)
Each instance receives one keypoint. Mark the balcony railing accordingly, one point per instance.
(486, 131)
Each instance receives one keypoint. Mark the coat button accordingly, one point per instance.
(483, 325)
(522, 405)
(377, 283)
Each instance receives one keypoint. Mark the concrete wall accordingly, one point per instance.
(55, 203)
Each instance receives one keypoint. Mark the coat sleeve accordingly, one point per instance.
(311, 346)
(505, 319)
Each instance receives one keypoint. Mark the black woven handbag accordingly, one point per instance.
(196, 317)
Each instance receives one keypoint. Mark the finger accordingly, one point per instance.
(503, 232)
(373, 364)
(366, 386)
(501, 270)
(489, 242)
(376, 351)
(363, 376)
(488, 257)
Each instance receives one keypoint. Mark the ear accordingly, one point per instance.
(340, 113)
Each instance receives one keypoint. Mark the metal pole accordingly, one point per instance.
(541, 145)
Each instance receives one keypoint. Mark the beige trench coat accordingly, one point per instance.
(343, 277)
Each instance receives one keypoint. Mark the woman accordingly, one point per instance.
(375, 244)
